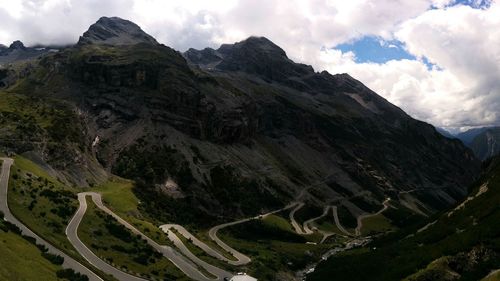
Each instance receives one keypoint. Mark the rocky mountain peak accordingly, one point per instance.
(254, 44)
(255, 55)
(17, 45)
(115, 31)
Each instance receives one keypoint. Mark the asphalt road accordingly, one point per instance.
(185, 265)
(68, 261)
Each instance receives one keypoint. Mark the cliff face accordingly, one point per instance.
(486, 144)
(243, 128)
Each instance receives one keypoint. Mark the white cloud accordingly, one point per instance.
(461, 41)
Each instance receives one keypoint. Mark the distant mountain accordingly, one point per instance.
(445, 133)
(484, 142)
(467, 136)
(241, 129)
(18, 52)
(115, 31)
(487, 143)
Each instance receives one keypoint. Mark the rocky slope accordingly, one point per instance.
(484, 142)
(243, 128)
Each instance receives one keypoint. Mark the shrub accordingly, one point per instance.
(55, 259)
(70, 274)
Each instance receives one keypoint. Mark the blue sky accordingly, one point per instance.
(377, 50)
(374, 49)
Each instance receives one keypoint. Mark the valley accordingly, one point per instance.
(124, 159)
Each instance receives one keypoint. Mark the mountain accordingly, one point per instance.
(460, 244)
(115, 31)
(467, 136)
(484, 141)
(487, 143)
(240, 130)
(18, 52)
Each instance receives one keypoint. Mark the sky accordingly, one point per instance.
(439, 60)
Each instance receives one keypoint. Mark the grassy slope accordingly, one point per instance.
(118, 196)
(25, 188)
(21, 260)
(397, 257)
(123, 249)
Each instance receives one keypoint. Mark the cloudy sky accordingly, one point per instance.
(439, 60)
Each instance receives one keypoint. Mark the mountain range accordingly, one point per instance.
(241, 132)
(240, 129)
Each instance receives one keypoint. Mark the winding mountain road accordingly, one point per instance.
(72, 234)
(184, 264)
(69, 262)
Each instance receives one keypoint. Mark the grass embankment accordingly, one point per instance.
(121, 248)
(22, 260)
(376, 224)
(328, 224)
(495, 276)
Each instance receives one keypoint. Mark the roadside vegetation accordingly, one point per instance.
(41, 202)
(21, 259)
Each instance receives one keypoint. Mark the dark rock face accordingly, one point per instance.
(277, 126)
(115, 31)
(486, 144)
(469, 135)
(255, 55)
